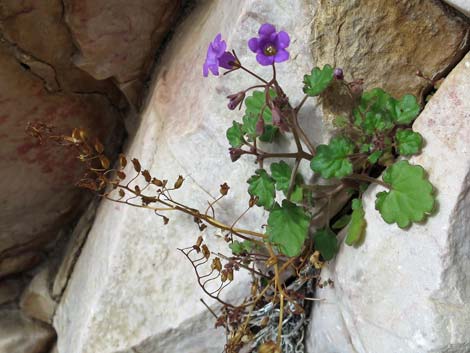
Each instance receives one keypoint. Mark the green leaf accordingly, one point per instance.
(342, 222)
(240, 247)
(262, 186)
(375, 112)
(288, 227)
(408, 142)
(326, 243)
(358, 224)
(254, 104)
(332, 160)
(297, 194)
(410, 198)
(374, 157)
(318, 80)
(235, 135)
(406, 109)
(269, 134)
(281, 173)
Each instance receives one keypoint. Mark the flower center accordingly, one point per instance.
(269, 50)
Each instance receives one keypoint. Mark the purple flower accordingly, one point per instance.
(271, 46)
(235, 100)
(217, 56)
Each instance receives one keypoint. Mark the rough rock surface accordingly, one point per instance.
(117, 38)
(386, 42)
(10, 290)
(39, 83)
(36, 300)
(407, 290)
(461, 5)
(131, 290)
(22, 335)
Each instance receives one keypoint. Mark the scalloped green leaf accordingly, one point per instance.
(235, 135)
(254, 104)
(261, 185)
(408, 142)
(406, 109)
(240, 247)
(281, 173)
(357, 226)
(326, 243)
(332, 160)
(410, 198)
(318, 80)
(288, 227)
(375, 112)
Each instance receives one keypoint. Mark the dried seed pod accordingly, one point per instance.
(104, 161)
(83, 135)
(223, 276)
(179, 182)
(137, 189)
(230, 274)
(224, 189)
(122, 161)
(147, 176)
(157, 182)
(165, 220)
(121, 175)
(99, 146)
(205, 251)
(253, 201)
(136, 164)
(122, 193)
(216, 264)
(76, 135)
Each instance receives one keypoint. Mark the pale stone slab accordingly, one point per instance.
(408, 291)
(131, 290)
(461, 5)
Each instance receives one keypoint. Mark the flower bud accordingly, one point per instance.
(338, 74)
(235, 153)
(235, 100)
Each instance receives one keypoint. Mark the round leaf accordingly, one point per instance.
(235, 135)
(288, 227)
(410, 197)
(318, 80)
(332, 160)
(408, 142)
(326, 243)
(261, 185)
(357, 226)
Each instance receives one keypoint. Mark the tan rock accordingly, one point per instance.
(117, 38)
(386, 42)
(18, 263)
(21, 335)
(36, 301)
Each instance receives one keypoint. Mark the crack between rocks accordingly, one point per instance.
(15, 49)
(338, 39)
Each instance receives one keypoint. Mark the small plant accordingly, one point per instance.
(301, 231)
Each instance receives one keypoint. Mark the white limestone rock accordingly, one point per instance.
(131, 290)
(461, 5)
(408, 291)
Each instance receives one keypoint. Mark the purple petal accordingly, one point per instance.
(219, 46)
(282, 40)
(214, 69)
(253, 44)
(281, 55)
(264, 60)
(266, 29)
(226, 60)
(205, 70)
